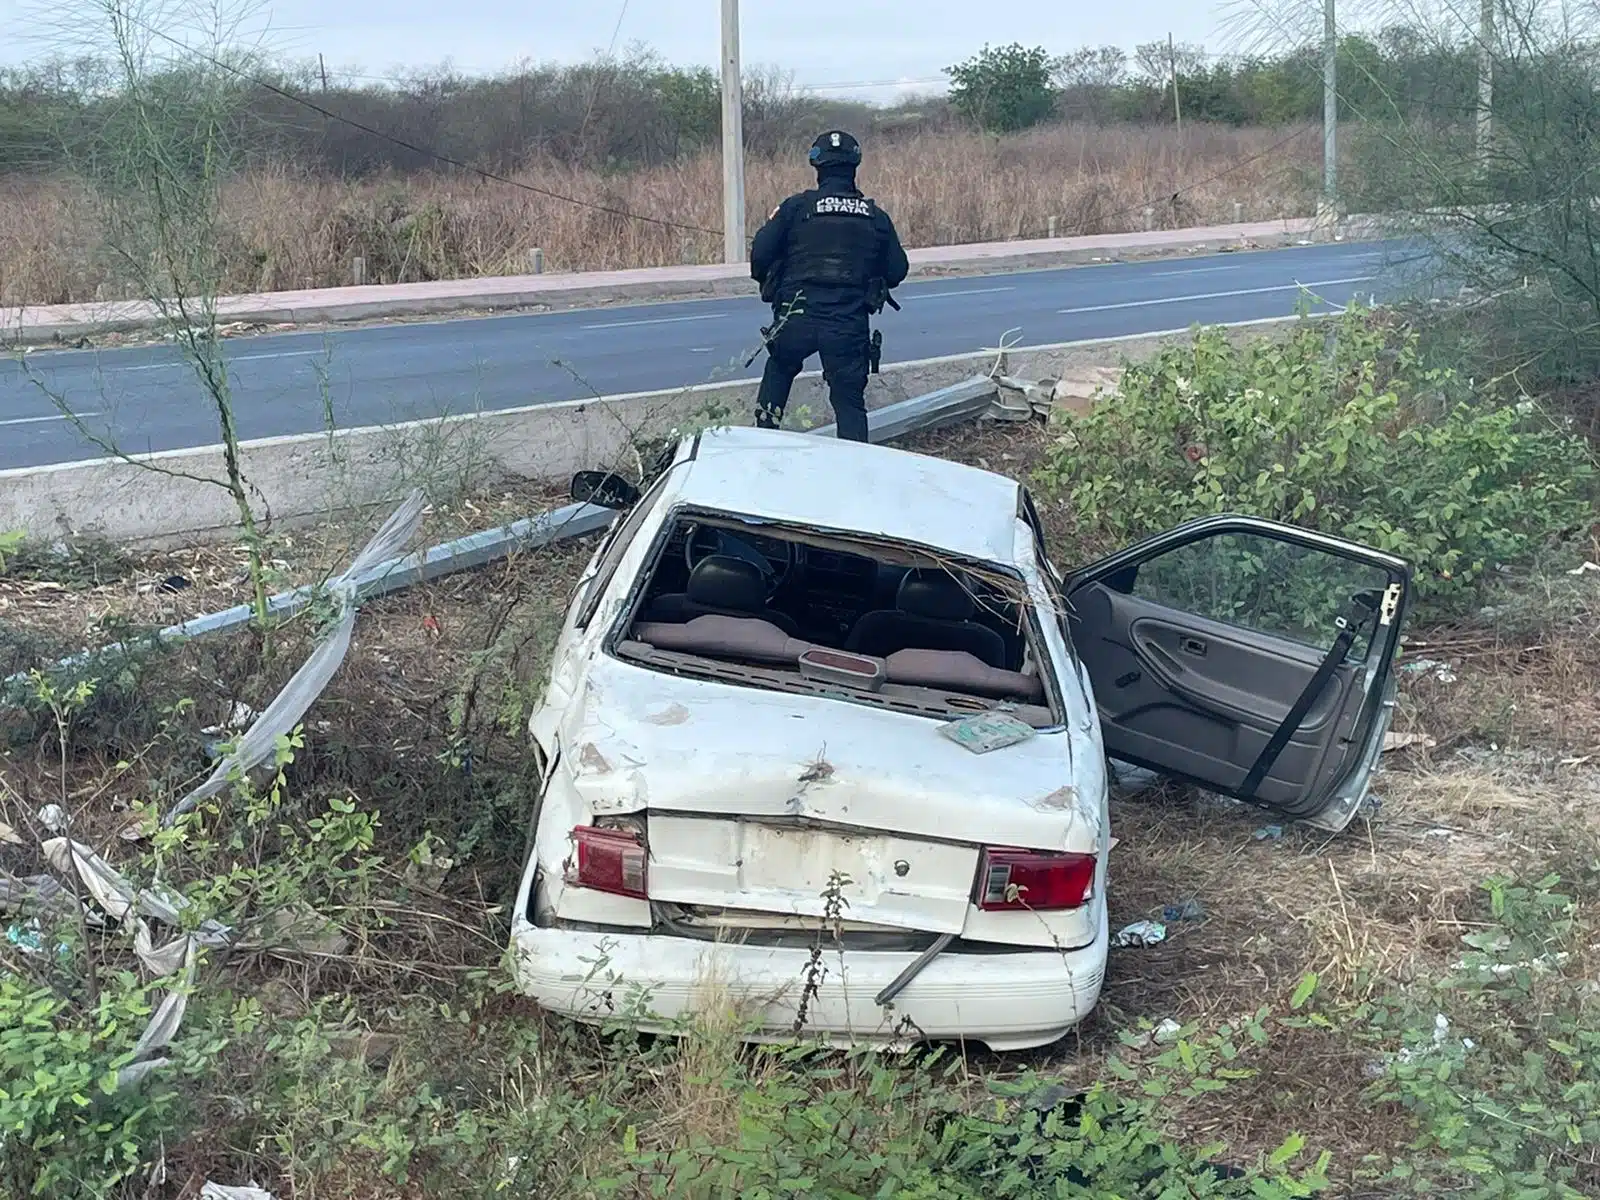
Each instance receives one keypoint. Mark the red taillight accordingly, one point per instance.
(1036, 879)
(607, 860)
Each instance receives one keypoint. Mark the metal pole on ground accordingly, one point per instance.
(732, 138)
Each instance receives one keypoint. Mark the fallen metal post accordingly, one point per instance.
(962, 401)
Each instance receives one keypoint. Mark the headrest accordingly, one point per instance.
(934, 595)
(723, 581)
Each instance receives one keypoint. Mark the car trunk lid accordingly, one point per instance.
(882, 879)
(639, 741)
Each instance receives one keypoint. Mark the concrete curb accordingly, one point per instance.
(960, 402)
(300, 479)
(65, 322)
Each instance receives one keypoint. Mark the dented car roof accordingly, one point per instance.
(831, 484)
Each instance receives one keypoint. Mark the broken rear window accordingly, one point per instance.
(763, 605)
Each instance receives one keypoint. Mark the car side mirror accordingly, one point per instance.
(604, 489)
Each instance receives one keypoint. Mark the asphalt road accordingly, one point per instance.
(146, 398)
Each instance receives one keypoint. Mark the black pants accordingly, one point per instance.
(841, 342)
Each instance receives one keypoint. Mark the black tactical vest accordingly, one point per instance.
(833, 242)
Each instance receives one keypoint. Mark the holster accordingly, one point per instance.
(875, 350)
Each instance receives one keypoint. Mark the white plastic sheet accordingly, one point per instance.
(281, 716)
(218, 1191)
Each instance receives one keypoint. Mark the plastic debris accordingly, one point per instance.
(1442, 671)
(239, 717)
(112, 891)
(53, 817)
(1403, 741)
(1189, 910)
(1132, 780)
(218, 1191)
(1140, 933)
(1408, 1054)
(427, 870)
(1505, 970)
(1584, 568)
(29, 939)
(9, 835)
(1168, 1032)
(988, 731)
(41, 893)
(260, 741)
(1268, 833)
(162, 1027)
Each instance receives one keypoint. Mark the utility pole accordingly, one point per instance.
(323, 66)
(732, 138)
(1330, 109)
(1485, 81)
(1172, 67)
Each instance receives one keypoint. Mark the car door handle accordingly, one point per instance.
(1192, 646)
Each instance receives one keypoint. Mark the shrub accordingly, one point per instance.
(1504, 1091)
(65, 1127)
(1338, 427)
(1004, 89)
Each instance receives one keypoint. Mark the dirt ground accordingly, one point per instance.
(1504, 777)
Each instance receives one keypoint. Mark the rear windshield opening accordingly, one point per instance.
(890, 625)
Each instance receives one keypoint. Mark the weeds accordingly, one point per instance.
(285, 229)
(1341, 429)
(359, 1037)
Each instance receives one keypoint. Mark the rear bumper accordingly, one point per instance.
(1006, 1001)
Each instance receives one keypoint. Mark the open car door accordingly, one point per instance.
(1248, 657)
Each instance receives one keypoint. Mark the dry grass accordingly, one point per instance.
(289, 230)
(1512, 785)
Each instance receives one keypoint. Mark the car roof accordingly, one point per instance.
(854, 487)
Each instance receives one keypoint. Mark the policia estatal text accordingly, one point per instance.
(826, 259)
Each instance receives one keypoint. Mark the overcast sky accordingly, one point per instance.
(833, 46)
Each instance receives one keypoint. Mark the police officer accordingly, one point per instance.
(825, 260)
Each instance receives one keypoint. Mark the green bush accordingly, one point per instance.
(65, 1128)
(863, 1126)
(1004, 89)
(1338, 427)
(1507, 1100)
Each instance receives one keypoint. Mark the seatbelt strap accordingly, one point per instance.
(1360, 613)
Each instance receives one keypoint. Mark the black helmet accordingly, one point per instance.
(835, 149)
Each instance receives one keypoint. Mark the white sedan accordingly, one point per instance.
(826, 738)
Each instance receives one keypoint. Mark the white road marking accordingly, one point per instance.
(231, 359)
(1259, 291)
(41, 420)
(985, 291)
(1238, 266)
(1244, 264)
(657, 321)
(275, 354)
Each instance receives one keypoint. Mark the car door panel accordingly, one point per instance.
(1199, 698)
(1237, 677)
(1205, 717)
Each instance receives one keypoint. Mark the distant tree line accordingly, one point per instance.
(1400, 73)
(635, 111)
(607, 115)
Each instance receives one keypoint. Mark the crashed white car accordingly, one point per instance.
(826, 735)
